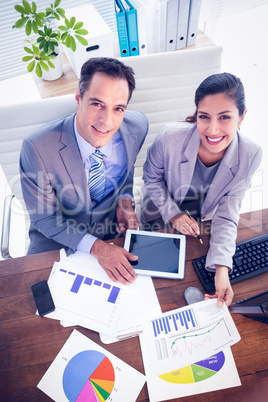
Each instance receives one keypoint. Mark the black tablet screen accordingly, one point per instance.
(155, 253)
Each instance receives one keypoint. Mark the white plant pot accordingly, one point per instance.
(54, 73)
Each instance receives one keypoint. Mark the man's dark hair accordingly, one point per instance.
(108, 66)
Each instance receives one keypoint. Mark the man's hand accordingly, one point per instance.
(224, 291)
(126, 216)
(185, 225)
(114, 261)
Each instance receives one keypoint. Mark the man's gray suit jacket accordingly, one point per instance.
(55, 187)
(168, 173)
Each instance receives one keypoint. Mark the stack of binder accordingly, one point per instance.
(152, 26)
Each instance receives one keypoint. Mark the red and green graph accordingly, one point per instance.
(88, 376)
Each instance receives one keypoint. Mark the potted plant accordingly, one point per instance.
(46, 36)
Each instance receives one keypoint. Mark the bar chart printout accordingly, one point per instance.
(86, 297)
(79, 279)
(184, 336)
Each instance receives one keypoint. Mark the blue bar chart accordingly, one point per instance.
(80, 279)
(84, 295)
(181, 321)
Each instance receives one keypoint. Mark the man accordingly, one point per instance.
(77, 172)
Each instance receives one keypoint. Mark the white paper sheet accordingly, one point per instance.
(84, 371)
(84, 295)
(183, 336)
(210, 374)
(140, 304)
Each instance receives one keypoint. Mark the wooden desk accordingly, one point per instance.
(29, 343)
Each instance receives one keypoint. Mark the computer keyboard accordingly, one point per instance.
(250, 259)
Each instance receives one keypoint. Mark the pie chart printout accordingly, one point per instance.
(88, 377)
(196, 372)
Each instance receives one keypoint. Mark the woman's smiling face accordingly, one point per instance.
(217, 122)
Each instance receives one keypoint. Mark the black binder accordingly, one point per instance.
(255, 307)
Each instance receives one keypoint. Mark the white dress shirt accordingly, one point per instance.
(115, 163)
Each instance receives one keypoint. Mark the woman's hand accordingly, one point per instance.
(185, 225)
(126, 216)
(224, 291)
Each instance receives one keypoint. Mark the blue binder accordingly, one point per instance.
(122, 28)
(132, 28)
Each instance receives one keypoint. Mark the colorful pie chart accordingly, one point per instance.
(88, 376)
(196, 372)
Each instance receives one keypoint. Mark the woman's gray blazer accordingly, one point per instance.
(168, 173)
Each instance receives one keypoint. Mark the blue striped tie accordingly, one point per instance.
(96, 181)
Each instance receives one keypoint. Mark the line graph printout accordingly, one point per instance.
(186, 335)
(85, 296)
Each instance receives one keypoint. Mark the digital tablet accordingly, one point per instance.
(160, 254)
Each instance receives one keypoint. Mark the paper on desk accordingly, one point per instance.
(211, 374)
(140, 301)
(186, 335)
(84, 371)
(140, 304)
(84, 295)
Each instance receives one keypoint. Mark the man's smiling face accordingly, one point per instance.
(101, 110)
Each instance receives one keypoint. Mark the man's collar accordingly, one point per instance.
(86, 149)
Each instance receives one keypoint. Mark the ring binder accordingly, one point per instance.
(121, 23)
(132, 29)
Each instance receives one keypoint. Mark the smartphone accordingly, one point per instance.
(43, 298)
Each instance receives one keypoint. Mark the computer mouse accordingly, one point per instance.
(193, 295)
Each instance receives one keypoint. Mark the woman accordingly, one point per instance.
(204, 165)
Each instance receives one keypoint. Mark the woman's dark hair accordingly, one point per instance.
(108, 66)
(224, 83)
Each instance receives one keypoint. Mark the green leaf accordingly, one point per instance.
(35, 27)
(81, 31)
(36, 50)
(27, 58)
(78, 25)
(20, 9)
(44, 65)
(67, 23)
(52, 46)
(57, 3)
(41, 44)
(68, 40)
(63, 28)
(34, 7)
(31, 66)
(27, 6)
(73, 44)
(38, 70)
(28, 50)
(21, 22)
(63, 36)
(82, 40)
(28, 28)
(39, 22)
(72, 22)
(61, 12)
(51, 64)
(41, 16)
